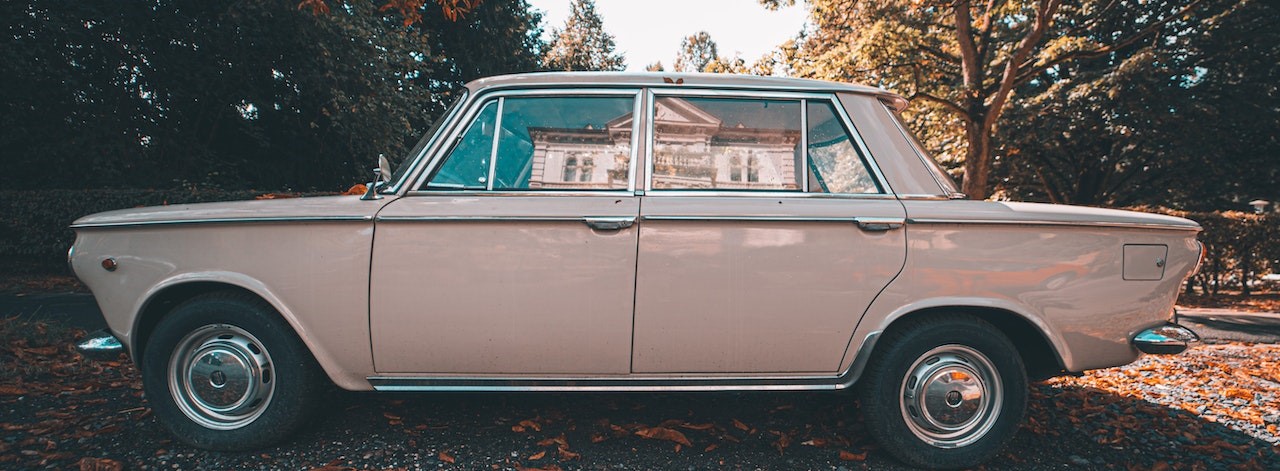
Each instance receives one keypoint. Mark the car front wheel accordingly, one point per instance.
(945, 391)
(224, 372)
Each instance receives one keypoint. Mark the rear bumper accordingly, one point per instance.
(100, 345)
(1167, 339)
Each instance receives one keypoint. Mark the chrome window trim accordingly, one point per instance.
(475, 104)
(493, 151)
(804, 145)
(259, 220)
(415, 161)
(518, 193)
(651, 95)
(688, 383)
(771, 194)
(1041, 222)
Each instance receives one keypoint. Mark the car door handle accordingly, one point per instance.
(879, 224)
(609, 223)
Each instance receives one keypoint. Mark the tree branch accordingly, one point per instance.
(948, 104)
(1029, 68)
(970, 67)
(1044, 17)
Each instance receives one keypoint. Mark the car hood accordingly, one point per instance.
(997, 212)
(323, 208)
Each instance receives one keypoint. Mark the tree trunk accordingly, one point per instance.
(977, 160)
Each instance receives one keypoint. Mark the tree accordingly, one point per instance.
(696, 52)
(654, 67)
(249, 95)
(968, 59)
(1188, 121)
(583, 43)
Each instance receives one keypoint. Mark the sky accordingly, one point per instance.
(648, 31)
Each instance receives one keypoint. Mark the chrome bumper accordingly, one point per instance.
(1167, 339)
(100, 345)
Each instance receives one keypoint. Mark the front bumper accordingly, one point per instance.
(100, 345)
(1167, 339)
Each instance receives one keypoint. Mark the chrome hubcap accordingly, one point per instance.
(951, 396)
(221, 377)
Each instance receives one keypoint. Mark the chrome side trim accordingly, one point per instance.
(665, 217)
(631, 384)
(518, 193)
(175, 222)
(1037, 222)
(480, 218)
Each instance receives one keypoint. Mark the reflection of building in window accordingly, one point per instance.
(693, 150)
(578, 170)
(576, 152)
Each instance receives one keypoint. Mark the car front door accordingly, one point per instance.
(516, 254)
(765, 235)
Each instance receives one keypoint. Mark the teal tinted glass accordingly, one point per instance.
(467, 166)
(564, 143)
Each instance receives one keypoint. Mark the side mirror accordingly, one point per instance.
(381, 175)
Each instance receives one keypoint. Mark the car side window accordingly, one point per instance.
(543, 143)
(835, 165)
(467, 166)
(726, 143)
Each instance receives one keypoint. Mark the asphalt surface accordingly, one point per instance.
(98, 411)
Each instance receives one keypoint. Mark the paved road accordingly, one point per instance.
(80, 311)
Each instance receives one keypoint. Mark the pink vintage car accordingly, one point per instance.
(639, 232)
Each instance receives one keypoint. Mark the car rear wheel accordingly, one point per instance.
(945, 391)
(224, 372)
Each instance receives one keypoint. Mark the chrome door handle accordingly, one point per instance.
(879, 224)
(609, 223)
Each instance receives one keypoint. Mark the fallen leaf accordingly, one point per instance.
(710, 448)
(707, 426)
(566, 455)
(537, 456)
(663, 433)
(740, 426)
(849, 456)
(446, 457)
(531, 424)
(816, 442)
(100, 464)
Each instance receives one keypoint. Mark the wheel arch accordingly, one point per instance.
(164, 297)
(1041, 353)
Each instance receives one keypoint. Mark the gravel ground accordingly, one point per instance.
(1214, 407)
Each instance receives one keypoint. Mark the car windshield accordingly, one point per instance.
(427, 139)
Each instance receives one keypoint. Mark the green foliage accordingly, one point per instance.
(1238, 245)
(1188, 121)
(583, 43)
(248, 94)
(966, 59)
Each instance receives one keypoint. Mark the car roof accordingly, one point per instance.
(676, 80)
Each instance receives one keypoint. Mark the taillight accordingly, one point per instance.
(1204, 252)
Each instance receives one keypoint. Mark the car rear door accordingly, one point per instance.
(765, 234)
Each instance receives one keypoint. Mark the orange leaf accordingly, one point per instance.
(663, 433)
(740, 426)
(100, 464)
(848, 456)
(710, 447)
(447, 458)
(566, 455)
(531, 424)
(1230, 392)
(356, 190)
(697, 426)
(537, 456)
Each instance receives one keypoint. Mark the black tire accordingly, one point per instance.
(217, 333)
(975, 412)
